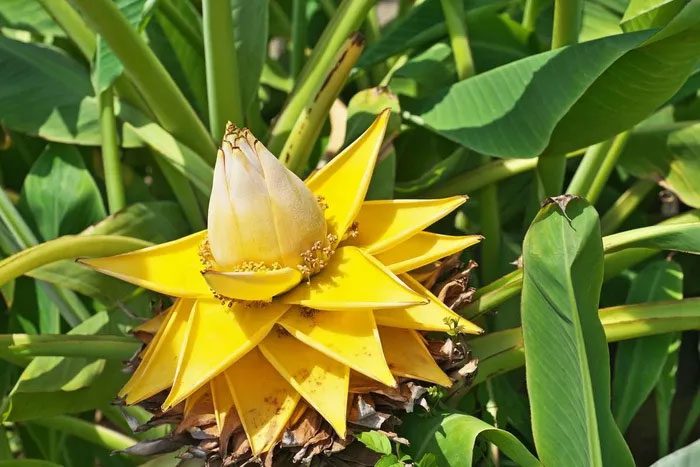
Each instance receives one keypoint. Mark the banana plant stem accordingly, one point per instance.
(298, 41)
(110, 153)
(473, 180)
(297, 149)
(503, 351)
(67, 247)
(223, 87)
(567, 21)
(149, 75)
(347, 18)
(65, 345)
(453, 11)
(625, 205)
(90, 432)
(551, 167)
(509, 285)
(607, 166)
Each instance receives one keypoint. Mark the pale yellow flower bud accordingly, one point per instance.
(259, 211)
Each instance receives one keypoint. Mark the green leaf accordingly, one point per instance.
(665, 391)
(44, 92)
(28, 16)
(648, 14)
(60, 193)
(156, 222)
(598, 21)
(425, 23)
(452, 437)
(56, 385)
(376, 441)
(181, 25)
(523, 109)
(181, 157)
(426, 73)
(250, 19)
(669, 154)
(688, 456)
(389, 461)
(566, 354)
(638, 363)
(107, 66)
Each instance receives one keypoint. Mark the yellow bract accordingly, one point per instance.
(424, 248)
(249, 340)
(343, 182)
(384, 224)
(253, 285)
(171, 268)
(352, 279)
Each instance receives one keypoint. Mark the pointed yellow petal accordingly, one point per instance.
(433, 316)
(152, 325)
(350, 337)
(322, 381)
(407, 356)
(253, 285)
(352, 279)
(217, 337)
(223, 399)
(263, 399)
(171, 268)
(383, 224)
(424, 248)
(157, 369)
(343, 182)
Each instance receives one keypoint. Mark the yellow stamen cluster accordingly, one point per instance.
(205, 256)
(315, 258)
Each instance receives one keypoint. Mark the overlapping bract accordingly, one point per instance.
(300, 338)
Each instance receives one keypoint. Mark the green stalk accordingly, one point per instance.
(484, 175)
(630, 238)
(347, 19)
(185, 195)
(298, 41)
(110, 153)
(503, 351)
(11, 218)
(149, 75)
(625, 205)
(69, 305)
(76, 29)
(296, 151)
(585, 172)
(453, 11)
(509, 285)
(567, 22)
(531, 11)
(223, 87)
(90, 432)
(67, 247)
(551, 168)
(608, 165)
(65, 345)
(373, 34)
(70, 21)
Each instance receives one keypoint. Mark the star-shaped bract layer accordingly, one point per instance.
(300, 338)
